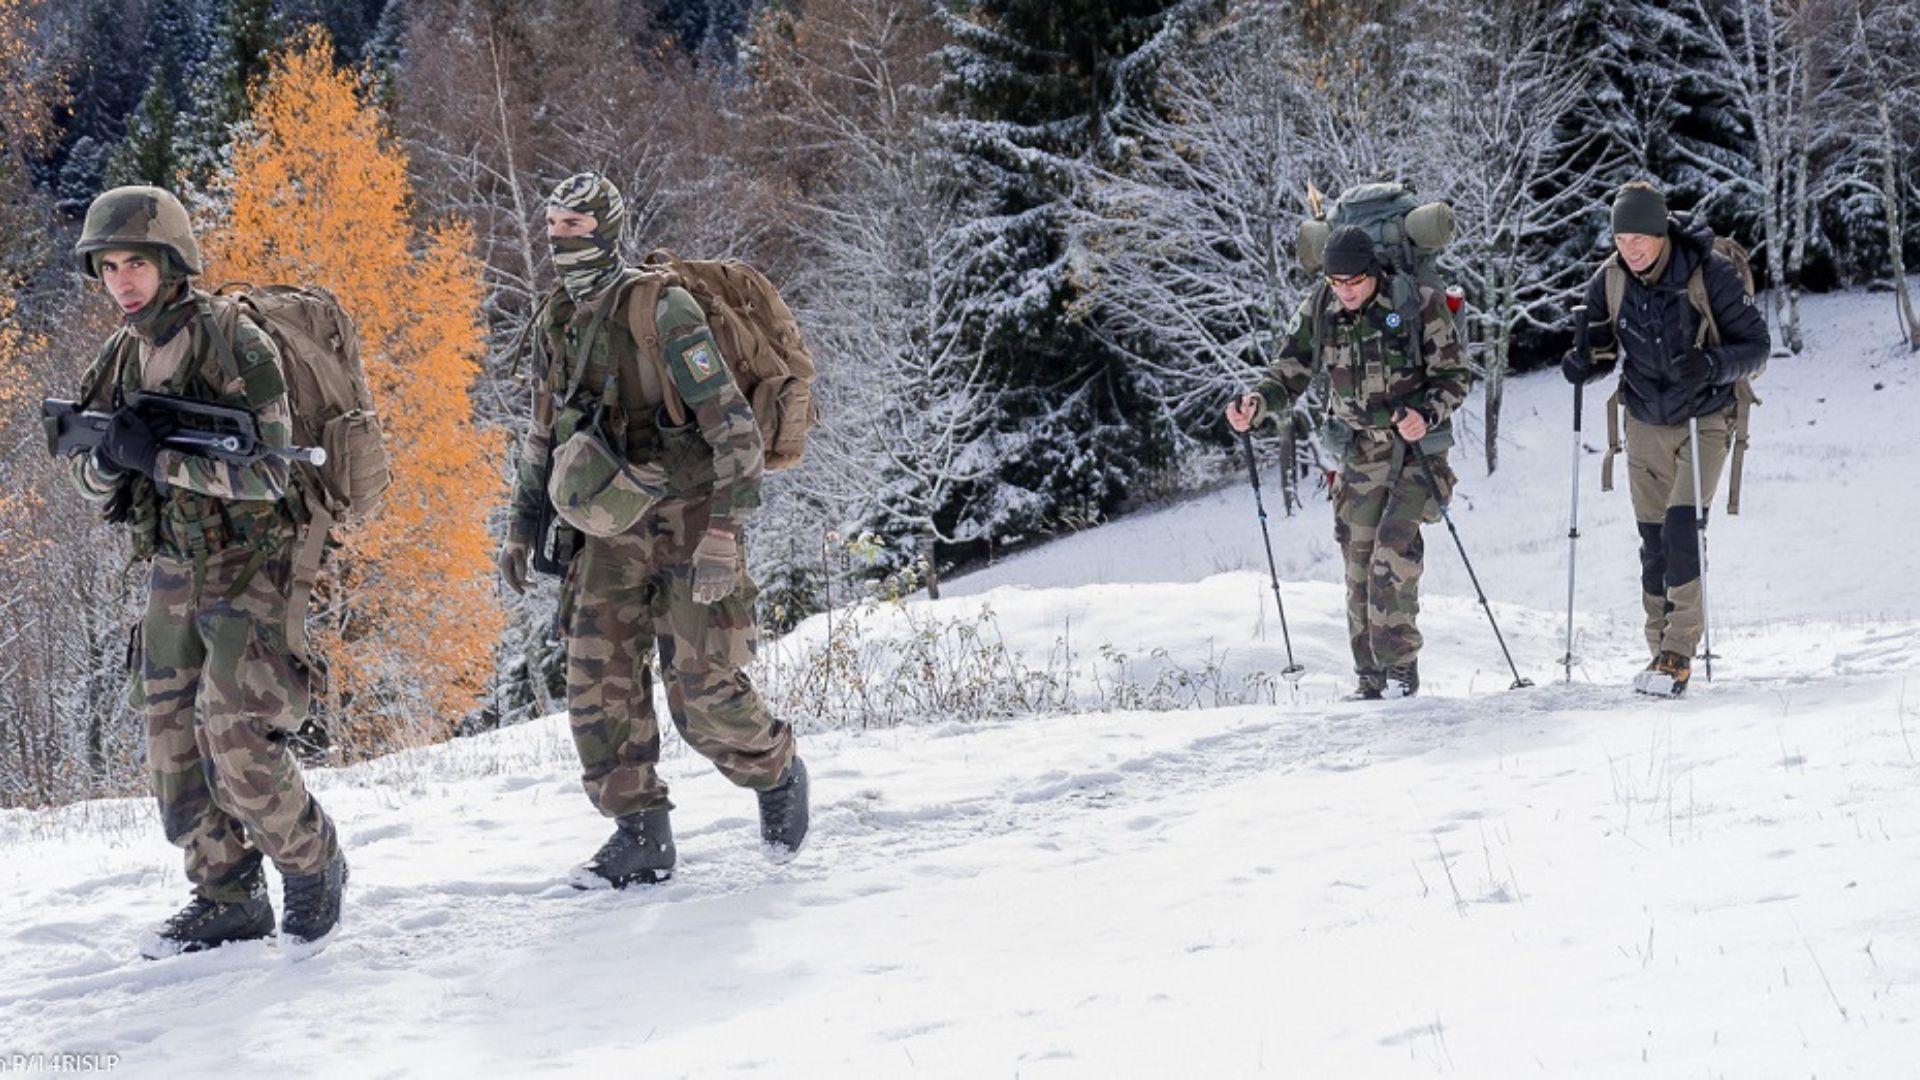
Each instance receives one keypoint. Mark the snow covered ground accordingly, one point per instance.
(1563, 881)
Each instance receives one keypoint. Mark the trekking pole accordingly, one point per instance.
(1573, 512)
(1433, 487)
(1700, 535)
(1292, 671)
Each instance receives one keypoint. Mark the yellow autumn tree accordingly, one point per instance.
(17, 499)
(319, 195)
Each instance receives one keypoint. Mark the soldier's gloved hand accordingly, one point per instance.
(514, 555)
(1694, 366)
(714, 566)
(1574, 369)
(131, 445)
(518, 550)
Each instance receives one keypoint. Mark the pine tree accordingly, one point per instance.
(146, 155)
(320, 194)
(219, 99)
(1039, 85)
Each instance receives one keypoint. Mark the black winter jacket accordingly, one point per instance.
(1658, 325)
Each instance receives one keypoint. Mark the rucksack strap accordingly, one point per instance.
(585, 351)
(1613, 440)
(1709, 330)
(309, 545)
(643, 323)
(1744, 399)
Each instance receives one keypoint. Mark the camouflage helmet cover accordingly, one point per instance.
(138, 217)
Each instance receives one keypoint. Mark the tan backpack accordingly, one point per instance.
(760, 339)
(1744, 399)
(332, 409)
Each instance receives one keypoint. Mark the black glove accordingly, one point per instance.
(1574, 368)
(1694, 366)
(131, 444)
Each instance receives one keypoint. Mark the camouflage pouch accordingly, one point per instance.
(596, 490)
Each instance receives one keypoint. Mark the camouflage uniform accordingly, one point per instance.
(220, 687)
(1380, 496)
(628, 595)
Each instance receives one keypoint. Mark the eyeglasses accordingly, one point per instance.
(1347, 282)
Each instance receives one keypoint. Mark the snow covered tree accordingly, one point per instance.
(1885, 36)
(883, 221)
(1187, 242)
(1525, 182)
(1039, 87)
(146, 154)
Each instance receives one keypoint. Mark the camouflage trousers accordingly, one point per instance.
(632, 596)
(1377, 516)
(1660, 476)
(222, 693)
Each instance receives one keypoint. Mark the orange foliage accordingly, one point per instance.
(25, 118)
(320, 195)
(16, 502)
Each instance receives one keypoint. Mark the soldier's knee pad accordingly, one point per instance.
(1653, 559)
(1682, 546)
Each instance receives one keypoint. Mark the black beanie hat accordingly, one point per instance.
(1349, 251)
(1639, 209)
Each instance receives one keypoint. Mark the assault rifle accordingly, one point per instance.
(555, 543)
(223, 432)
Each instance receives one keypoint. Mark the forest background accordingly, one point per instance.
(1033, 245)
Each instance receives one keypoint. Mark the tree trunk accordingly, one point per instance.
(930, 553)
(1890, 199)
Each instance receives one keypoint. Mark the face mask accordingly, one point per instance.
(586, 264)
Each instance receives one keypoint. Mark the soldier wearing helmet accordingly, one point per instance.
(219, 685)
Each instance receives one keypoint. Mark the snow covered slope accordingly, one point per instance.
(1561, 881)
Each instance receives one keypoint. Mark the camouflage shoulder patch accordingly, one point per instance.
(699, 371)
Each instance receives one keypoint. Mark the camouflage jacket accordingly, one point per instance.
(202, 504)
(1371, 371)
(716, 457)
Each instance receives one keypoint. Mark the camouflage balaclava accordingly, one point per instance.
(588, 264)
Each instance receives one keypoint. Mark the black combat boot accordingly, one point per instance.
(206, 923)
(783, 810)
(313, 901)
(1369, 687)
(640, 850)
(1403, 680)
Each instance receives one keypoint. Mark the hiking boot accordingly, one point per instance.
(1666, 676)
(313, 901)
(1370, 687)
(783, 810)
(206, 923)
(1403, 680)
(640, 850)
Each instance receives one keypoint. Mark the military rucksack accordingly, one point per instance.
(1408, 237)
(332, 409)
(758, 336)
(1708, 333)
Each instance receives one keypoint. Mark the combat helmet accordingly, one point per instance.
(138, 216)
